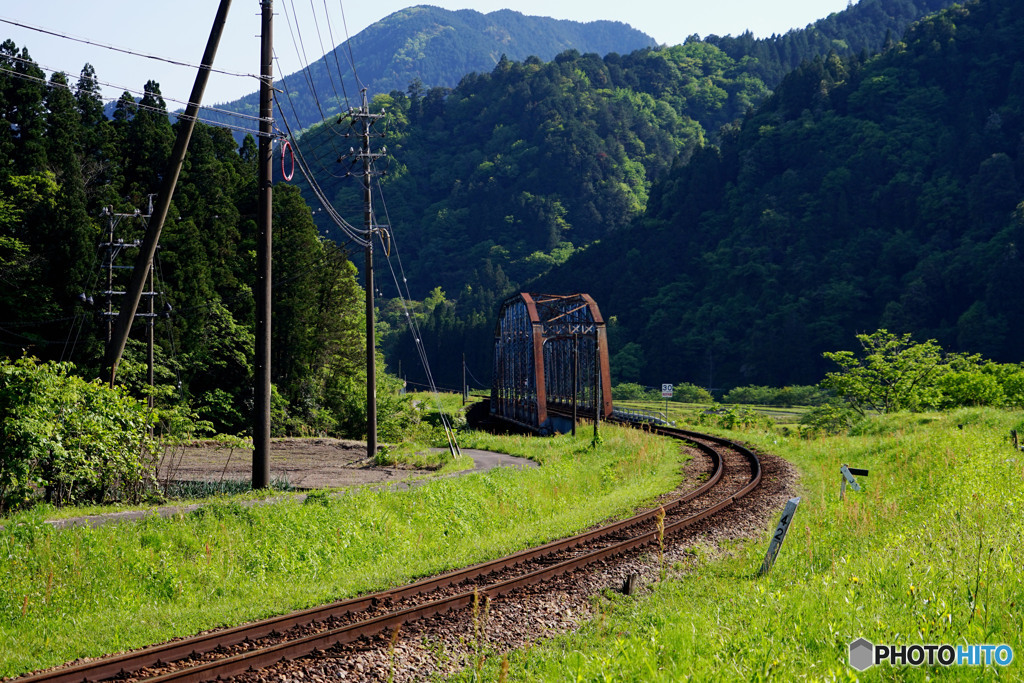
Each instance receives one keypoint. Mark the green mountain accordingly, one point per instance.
(496, 181)
(432, 47)
(862, 28)
(884, 193)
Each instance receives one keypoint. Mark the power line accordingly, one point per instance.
(355, 234)
(334, 52)
(122, 50)
(180, 115)
(300, 51)
(348, 43)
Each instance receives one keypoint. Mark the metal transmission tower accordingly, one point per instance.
(362, 122)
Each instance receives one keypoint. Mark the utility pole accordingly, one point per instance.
(119, 336)
(264, 255)
(113, 249)
(363, 122)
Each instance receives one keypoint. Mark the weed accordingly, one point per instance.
(481, 615)
(319, 497)
(660, 521)
(929, 553)
(391, 652)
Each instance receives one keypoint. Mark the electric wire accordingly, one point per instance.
(144, 107)
(300, 51)
(354, 234)
(307, 74)
(133, 53)
(473, 377)
(327, 67)
(414, 328)
(334, 53)
(348, 44)
(67, 352)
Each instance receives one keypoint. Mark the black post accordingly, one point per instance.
(575, 380)
(264, 255)
(597, 387)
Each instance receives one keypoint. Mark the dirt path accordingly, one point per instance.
(302, 463)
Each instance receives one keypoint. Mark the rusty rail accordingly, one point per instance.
(128, 663)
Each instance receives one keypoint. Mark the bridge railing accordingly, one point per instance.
(642, 415)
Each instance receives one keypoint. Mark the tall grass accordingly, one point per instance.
(930, 552)
(84, 592)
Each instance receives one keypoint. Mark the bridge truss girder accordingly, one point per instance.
(550, 349)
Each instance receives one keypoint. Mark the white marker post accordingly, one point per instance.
(779, 536)
(666, 393)
(848, 478)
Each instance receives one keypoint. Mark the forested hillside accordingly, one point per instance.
(514, 171)
(496, 181)
(872, 194)
(433, 47)
(64, 167)
(863, 28)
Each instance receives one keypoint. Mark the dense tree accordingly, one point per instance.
(68, 176)
(861, 194)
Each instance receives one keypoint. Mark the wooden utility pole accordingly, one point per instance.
(264, 255)
(119, 335)
(363, 122)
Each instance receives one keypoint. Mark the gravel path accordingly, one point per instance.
(324, 472)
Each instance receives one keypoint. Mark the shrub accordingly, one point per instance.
(828, 420)
(631, 391)
(771, 396)
(68, 439)
(691, 393)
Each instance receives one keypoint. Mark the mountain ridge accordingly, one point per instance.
(432, 47)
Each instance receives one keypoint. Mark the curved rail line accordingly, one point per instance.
(639, 530)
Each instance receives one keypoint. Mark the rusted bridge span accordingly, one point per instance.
(550, 350)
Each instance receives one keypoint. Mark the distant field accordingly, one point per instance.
(677, 411)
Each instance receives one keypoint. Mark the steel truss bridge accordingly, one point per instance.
(550, 351)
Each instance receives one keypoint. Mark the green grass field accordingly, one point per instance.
(929, 553)
(85, 592)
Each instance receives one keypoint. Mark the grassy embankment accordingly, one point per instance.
(85, 592)
(930, 552)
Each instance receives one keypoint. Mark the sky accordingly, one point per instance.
(179, 31)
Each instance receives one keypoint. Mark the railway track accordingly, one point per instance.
(735, 471)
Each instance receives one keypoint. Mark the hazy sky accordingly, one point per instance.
(179, 30)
